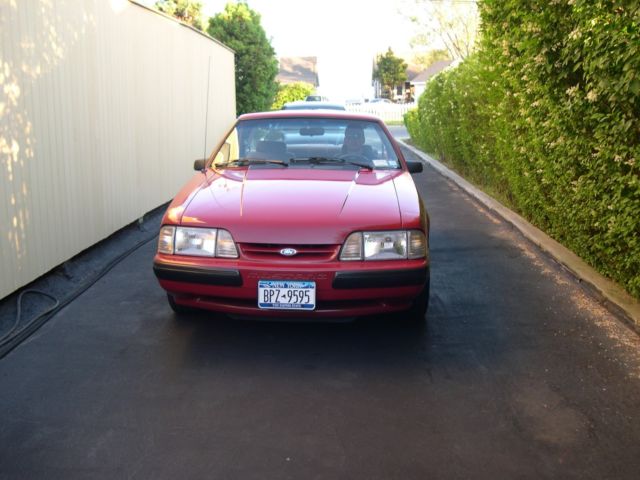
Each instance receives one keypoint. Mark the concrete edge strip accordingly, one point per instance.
(607, 289)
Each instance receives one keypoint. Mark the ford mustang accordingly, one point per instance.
(305, 214)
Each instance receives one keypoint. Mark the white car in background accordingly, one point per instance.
(312, 105)
(316, 98)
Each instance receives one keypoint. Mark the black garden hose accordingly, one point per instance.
(15, 336)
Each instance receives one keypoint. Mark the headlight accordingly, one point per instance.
(165, 240)
(352, 248)
(200, 242)
(385, 245)
(225, 246)
(417, 244)
(389, 245)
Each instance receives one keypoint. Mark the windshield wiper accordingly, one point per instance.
(241, 162)
(327, 160)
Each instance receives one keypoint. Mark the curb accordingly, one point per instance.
(613, 295)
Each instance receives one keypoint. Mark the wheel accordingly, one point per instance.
(177, 308)
(417, 314)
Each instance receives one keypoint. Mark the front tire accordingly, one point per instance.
(177, 308)
(417, 314)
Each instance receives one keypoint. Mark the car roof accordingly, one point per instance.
(341, 114)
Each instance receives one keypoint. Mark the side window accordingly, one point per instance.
(229, 149)
(372, 138)
(223, 154)
(384, 149)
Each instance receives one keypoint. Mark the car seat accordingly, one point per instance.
(271, 150)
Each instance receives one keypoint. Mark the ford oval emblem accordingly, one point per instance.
(288, 252)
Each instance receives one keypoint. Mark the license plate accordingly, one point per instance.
(286, 295)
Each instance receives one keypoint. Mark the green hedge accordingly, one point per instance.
(290, 92)
(546, 114)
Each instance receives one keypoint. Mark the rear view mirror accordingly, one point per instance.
(414, 167)
(199, 164)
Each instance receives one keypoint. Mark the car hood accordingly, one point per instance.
(273, 205)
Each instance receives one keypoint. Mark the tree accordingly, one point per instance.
(389, 71)
(452, 23)
(428, 58)
(238, 27)
(290, 92)
(187, 11)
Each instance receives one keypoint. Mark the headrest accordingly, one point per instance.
(272, 147)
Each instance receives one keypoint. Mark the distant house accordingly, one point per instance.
(398, 93)
(419, 81)
(299, 69)
(411, 90)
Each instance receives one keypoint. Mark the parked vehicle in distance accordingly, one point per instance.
(316, 98)
(299, 214)
(312, 105)
(380, 100)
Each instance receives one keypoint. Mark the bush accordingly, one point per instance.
(547, 114)
(290, 92)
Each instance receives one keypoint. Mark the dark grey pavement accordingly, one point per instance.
(520, 374)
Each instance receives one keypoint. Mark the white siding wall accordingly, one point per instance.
(102, 112)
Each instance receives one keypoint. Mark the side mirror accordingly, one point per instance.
(199, 164)
(414, 167)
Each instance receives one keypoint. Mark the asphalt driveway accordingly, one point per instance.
(520, 374)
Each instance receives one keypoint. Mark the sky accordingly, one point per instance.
(345, 35)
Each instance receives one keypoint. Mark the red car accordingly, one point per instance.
(299, 214)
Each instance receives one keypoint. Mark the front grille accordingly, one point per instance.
(269, 251)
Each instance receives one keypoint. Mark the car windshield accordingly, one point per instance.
(317, 143)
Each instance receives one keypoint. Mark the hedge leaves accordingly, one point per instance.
(546, 114)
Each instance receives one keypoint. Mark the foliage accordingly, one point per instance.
(238, 27)
(428, 58)
(290, 92)
(187, 11)
(547, 113)
(389, 71)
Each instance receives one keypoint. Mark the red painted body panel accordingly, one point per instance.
(293, 207)
(331, 302)
(298, 206)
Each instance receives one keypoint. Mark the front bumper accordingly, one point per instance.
(227, 277)
(343, 289)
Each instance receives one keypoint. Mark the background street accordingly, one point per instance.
(519, 374)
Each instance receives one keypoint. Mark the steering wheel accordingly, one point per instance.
(354, 157)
